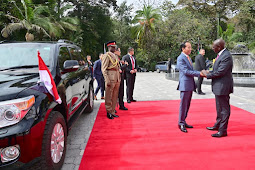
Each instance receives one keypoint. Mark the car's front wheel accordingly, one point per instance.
(54, 142)
(158, 71)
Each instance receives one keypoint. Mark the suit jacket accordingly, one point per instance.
(123, 69)
(222, 80)
(169, 64)
(129, 67)
(186, 74)
(200, 63)
(97, 69)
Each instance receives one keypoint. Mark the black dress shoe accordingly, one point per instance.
(128, 101)
(201, 93)
(114, 115)
(109, 115)
(123, 108)
(133, 100)
(195, 90)
(212, 128)
(182, 128)
(188, 126)
(219, 134)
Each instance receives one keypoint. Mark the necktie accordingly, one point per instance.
(189, 60)
(217, 57)
(133, 63)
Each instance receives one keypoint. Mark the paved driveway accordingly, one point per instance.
(148, 86)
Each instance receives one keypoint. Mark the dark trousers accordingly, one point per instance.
(130, 86)
(121, 92)
(169, 69)
(199, 84)
(223, 112)
(100, 85)
(184, 106)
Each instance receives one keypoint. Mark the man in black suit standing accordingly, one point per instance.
(169, 65)
(131, 70)
(199, 66)
(222, 86)
(123, 66)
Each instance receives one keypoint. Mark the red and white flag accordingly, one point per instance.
(46, 78)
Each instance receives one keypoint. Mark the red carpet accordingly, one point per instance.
(146, 137)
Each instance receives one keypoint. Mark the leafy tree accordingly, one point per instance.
(145, 19)
(167, 8)
(215, 10)
(144, 32)
(61, 23)
(184, 25)
(122, 26)
(244, 23)
(26, 19)
(95, 23)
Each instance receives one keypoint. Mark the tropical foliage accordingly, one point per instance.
(27, 18)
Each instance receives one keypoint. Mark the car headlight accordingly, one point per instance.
(13, 111)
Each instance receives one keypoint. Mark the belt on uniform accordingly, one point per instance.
(112, 69)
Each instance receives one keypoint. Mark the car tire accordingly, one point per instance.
(90, 100)
(54, 130)
(158, 71)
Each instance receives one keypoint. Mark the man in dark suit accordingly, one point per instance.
(186, 83)
(222, 86)
(199, 66)
(97, 72)
(123, 66)
(169, 65)
(131, 70)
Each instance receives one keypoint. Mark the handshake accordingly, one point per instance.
(203, 73)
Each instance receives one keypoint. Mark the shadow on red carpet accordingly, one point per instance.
(147, 137)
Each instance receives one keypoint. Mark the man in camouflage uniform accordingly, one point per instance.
(110, 70)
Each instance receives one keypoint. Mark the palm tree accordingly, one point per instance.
(26, 20)
(145, 20)
(60, 21)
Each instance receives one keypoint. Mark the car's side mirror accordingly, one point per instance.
(70, 66)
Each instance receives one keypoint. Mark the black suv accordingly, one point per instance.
(31, 124)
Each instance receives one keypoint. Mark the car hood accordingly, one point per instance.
(12, 82)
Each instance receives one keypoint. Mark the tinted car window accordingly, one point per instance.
(75, 52)
(63, 56)
(18, 54)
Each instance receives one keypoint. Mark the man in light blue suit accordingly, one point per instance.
(186, 83)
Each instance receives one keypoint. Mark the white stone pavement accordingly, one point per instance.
(149, 86)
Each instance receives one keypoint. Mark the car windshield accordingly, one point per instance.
(24, 55)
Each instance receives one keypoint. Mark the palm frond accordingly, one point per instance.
(30, 11)
(71, 20)
(68, 26)
(41, 11)
(65, 8)
(10, 28)
(10, 17)
(54, 30)
(21, 13)
(26, 24)
(39, 29)
(25, 8)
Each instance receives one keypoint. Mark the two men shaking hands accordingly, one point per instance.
(204, 73)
